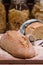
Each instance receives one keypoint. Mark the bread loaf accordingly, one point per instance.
(36, 29)
(37, 12)
(17, 44)
(2, 18)
(16, 18)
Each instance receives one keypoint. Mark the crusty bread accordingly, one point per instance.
(17, 44)
(37, 11)
(17, 18)
(36, 29)
(2, 18)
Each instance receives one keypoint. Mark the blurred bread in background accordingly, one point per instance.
(2, 18)
(37, 12)
(17, 18)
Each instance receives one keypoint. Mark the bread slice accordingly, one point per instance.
(36, 29)
(17, 44)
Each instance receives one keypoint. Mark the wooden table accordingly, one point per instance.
(7, 58)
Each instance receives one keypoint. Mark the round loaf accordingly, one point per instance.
(17, 44)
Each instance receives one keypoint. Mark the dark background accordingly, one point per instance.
(8, 1)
